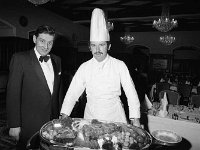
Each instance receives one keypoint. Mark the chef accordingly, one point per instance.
(102, 76)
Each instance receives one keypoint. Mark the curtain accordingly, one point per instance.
(9, 46)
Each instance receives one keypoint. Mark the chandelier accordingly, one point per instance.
(110, 26)
(167, 39)
(127, 38)
(40, 2)
(164, 23)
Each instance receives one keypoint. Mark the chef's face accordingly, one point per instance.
(99, 49)
(43, 43)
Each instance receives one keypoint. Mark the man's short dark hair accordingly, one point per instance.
(45, 29)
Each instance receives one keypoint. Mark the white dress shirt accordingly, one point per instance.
(48, 71)
(103, 81)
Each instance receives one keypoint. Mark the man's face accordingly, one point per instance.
(99, 49)
(43, 43)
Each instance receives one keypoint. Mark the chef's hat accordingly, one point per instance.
(98, 26)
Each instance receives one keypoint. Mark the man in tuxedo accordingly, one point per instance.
(34, 87)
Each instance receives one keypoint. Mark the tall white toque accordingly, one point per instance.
(98, 26)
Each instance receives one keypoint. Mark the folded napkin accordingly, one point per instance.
(163, 107)
(147, 102)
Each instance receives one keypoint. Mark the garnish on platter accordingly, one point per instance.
(95, 134)
(58, 132)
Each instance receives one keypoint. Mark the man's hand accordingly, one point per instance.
(62, 116)
(15, 132)
(135, 122)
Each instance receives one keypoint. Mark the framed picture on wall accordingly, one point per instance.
(160, 62)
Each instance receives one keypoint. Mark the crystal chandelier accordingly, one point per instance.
(164, 23)
(110, 26)
(167, 39)
(127, 38)
(40, 2)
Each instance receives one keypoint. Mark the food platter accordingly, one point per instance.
(94, 134)
(53, 131)
(167, 137)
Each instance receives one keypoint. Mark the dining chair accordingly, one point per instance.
(173, 97)
(185, 91)
(195, 100)
(160, 86)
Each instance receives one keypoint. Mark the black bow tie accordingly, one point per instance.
(44, 58)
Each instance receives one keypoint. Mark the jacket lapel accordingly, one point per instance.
(38, 69)
(56, 76)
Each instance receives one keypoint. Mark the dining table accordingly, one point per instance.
(182, 120)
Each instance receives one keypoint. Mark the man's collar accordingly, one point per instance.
(38, 54)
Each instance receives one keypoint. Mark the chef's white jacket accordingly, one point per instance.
(102, 81)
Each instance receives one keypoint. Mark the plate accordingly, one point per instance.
(166, 136)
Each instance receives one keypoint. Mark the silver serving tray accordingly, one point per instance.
(70, 144)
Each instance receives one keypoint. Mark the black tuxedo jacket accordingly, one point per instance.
(30, 103)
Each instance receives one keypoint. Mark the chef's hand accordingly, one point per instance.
(15, 132)
(135, 122)
(62, 116)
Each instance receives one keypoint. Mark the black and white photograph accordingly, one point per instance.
(99, 75)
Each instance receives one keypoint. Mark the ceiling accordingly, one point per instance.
(131, 15)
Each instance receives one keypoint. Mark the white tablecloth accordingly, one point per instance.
(188, 130)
